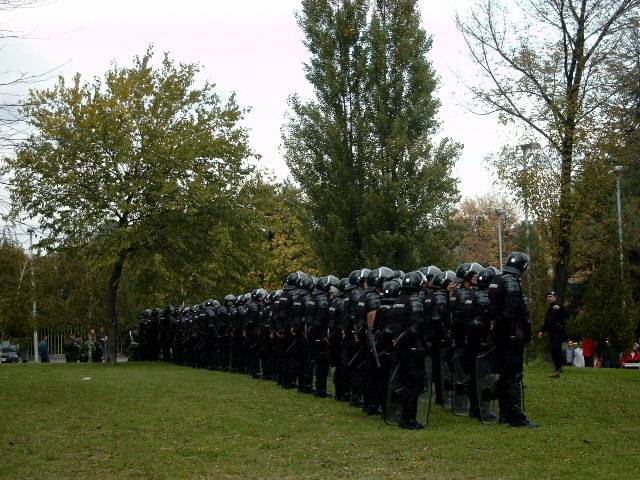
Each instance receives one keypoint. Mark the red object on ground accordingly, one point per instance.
(631, 357)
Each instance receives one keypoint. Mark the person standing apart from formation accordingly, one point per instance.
(554, 326)
(43, 349)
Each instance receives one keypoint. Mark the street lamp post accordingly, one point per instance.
(618, 170)
(36, 355)
(526, 148)
(500, 213)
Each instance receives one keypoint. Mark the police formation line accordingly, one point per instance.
(393, 341)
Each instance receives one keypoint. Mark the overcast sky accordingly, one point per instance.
(252, 47)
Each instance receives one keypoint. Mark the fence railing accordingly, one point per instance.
(57, 339)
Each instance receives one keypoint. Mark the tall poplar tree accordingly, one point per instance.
(377, 189)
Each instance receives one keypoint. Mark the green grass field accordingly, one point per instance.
(146, 421)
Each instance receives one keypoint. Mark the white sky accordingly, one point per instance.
(252, 47)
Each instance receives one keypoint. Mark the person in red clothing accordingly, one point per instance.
(588, 348)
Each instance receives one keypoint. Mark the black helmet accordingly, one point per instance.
(354, 279)
(391, 289)
(229, 298)
(294, 278)
(306, 282)
(517, 263)
(431, 272)
(208, 303)
(443, 279)
(413, 280)
(325, 283)
(379, 276)
(467, 270)
(344, 283)
(259, 294)
(398, 273)
(270, 297)
(486, 276)
(364, 274)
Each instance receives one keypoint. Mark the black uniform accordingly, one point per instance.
(439, 336)
(478, 341)
(265, 344)
(372, 300)
(282, 311)
(318, 362)
(352, 352)
(384, 336)
(512, 333)
(554, 325)
(338, 347)
(298, 352)
(410, 353)
(251, 326)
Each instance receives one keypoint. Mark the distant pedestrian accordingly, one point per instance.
(554, 326)
(43, 349)
(588, 350)
(71, 350)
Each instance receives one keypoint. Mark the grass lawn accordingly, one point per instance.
(147, 421)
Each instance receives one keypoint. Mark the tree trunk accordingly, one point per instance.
(565, 217)
(112, 313)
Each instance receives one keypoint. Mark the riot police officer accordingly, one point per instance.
(354, 345)
(368, 306)
(317, 333)
(479, 347)
(462, 300)
(410, 348)
(512, 333)
(385, 336)
(289, 318)
(439, 332)
(337, 342)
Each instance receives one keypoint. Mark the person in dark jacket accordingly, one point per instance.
(554, 326)
(43, 349)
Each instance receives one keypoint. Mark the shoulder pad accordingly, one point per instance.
(510, 284)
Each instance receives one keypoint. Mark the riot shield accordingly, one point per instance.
(446, 378)
(424, 399)
(486, 378)
(395, 401)
(461, 381)
(521, 387)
